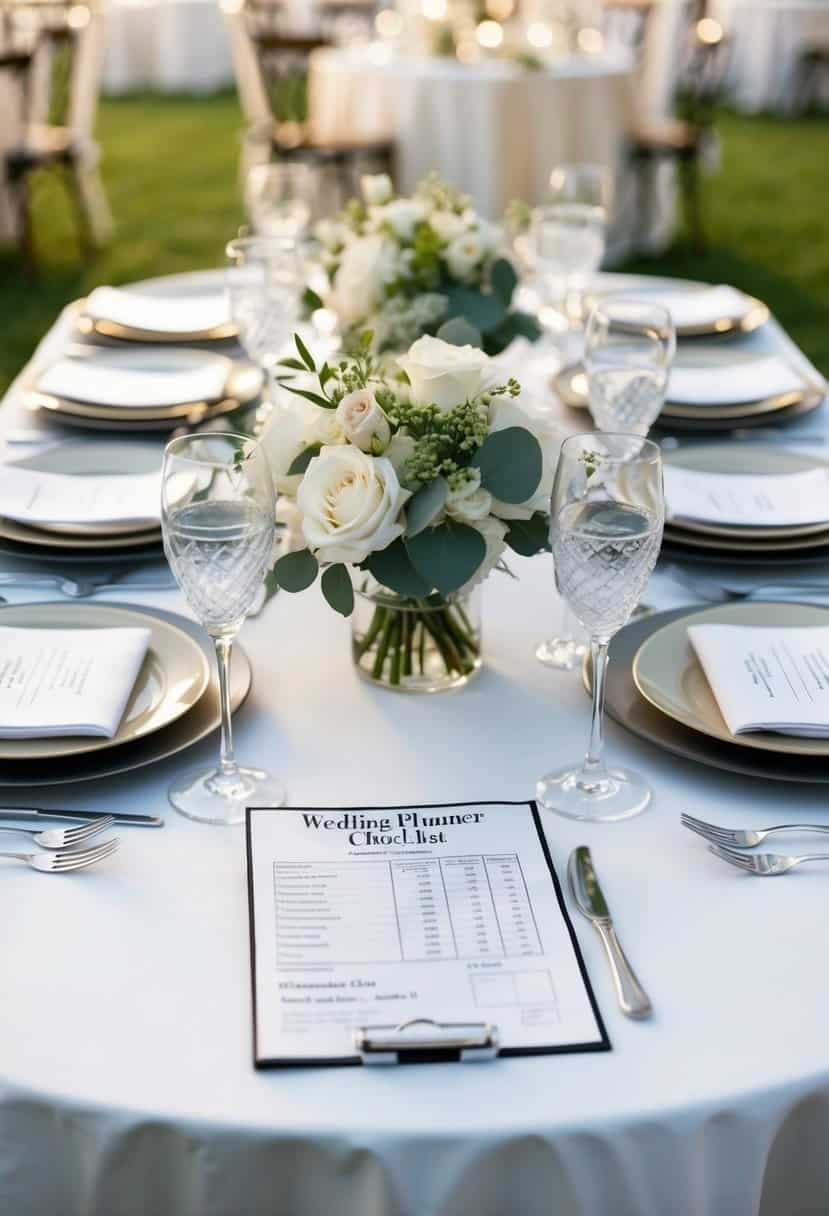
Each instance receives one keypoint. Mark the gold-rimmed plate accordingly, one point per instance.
(749, 317)
(626, 705)
(189, 729)
(88, 326)
(669, 675)
(173, 676)
(75, 457)
(744, 459)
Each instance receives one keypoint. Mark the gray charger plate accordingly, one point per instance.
(195, 725)
(626, 705)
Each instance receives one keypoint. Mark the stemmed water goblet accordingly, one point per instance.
(606, 518)
(281, 198)
(629, 346)
(218, 522)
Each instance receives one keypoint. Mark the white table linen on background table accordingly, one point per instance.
(768, 38)
(494, 129)
(720, 1105)
(174, 46)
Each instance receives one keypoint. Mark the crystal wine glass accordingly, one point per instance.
(568, 233)
(218, 520)
(263, 284)
(281, 198)
(628, 350)
(606, 518)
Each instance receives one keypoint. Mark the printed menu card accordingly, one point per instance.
(67, 681)
(767, 678)
(766, 500)
(372, 917)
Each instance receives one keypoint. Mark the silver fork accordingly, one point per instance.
(718, 593)
(82, 588)
(67, 859)
(65, 838)
(764, 865)
(744, 838)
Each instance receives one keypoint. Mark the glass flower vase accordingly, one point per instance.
(415, 645)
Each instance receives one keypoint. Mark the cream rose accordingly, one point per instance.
(363, 421)
(447, 224)
(350, 504)
(402, 215)
(464, 255)
(469, 503)
(358, 283)
(441, 374)
(506, 412)
(377, 188)
(493, 532)
(290, 430)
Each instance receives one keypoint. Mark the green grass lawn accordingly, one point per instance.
(171, 166)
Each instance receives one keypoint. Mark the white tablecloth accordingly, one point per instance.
(768, 38)
(174, 46)
(126, 1084)
(493, 129)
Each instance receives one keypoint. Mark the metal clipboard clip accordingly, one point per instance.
(424, 1041)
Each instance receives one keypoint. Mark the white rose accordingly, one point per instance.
(330, 233)
(350, 504)
(377, 188)
(447, 224)
(289, 431)
(328, 428)
(402, 215)
(505, 412)
(489, 235)
(358, 284)
(464, 255)
(469, 503)
(401, 449)
(290, 535)
(363, 421)
(441, 374)
(493, 532)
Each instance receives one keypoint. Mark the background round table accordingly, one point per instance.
(768, 38)
(126, 1078)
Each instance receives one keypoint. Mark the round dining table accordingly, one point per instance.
(127, 1085)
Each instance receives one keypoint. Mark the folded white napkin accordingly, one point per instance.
(36, 498)
(164, 314)
(67, 681)
(748, 500)
(99, 382)
(697, 307)
(731, 384)
(764, 678)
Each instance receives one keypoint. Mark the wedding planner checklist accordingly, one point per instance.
(372, 917)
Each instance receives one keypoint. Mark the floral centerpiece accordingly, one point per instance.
(429, 264)
(407, 489)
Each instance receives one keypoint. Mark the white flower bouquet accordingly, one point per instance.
(414, 484)
(429, 264)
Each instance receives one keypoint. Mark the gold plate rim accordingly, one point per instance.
(168, 638)
(764, 741)
(127, 333)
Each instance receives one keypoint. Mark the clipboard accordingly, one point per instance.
(419, 1038)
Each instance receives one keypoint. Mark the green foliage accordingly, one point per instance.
(459, 332)
(425, 505)
(504, 279)
(392, 568)
(447, 556)
(337, 589)
(296, 571)
(484, 311)
(529, 536)
(300, 463)
(510, 462)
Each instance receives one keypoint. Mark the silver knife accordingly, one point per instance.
(585, 889)
(138, 821)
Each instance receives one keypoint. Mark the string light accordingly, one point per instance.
(434, 10)
(489, 34)
(539, 35)
(590, 41)
(388, 23)
(709, 31)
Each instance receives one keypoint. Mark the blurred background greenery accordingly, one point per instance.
(171, 163)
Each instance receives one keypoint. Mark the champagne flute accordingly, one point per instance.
(606, 518)
(263, 284)
(218, 521)
(568, 233)
(281, 198)
(628, 350)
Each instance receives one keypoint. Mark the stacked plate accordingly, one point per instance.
(130, 314)
(142, 388)
(657, 689)
(174, 704)
(109, 541)
(738, 543)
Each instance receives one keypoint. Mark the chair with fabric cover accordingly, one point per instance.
(811, 85)
(684, 138)
(58, 132)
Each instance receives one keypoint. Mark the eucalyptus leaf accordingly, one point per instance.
(337, 589)
(510, 462)
(311, 300)
(323, 402)
(514, 325)
(296, 571)
(459, 332)
(482, 311)
(529, 536)
(504, 279)
(294, 364)
(300, 463)
(425, 505)
(392, 568)
(447, 556)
